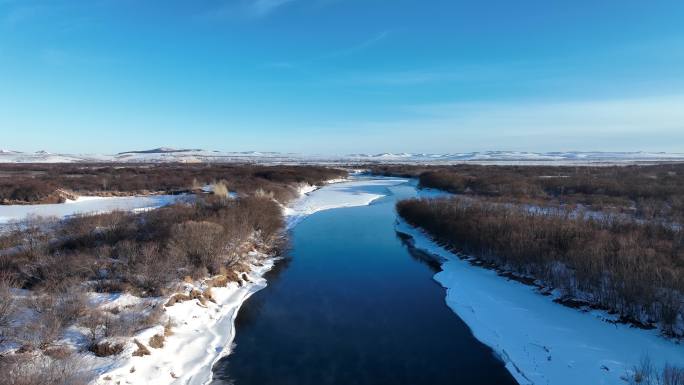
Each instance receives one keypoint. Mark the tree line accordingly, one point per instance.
(42, 183)
(652, 192)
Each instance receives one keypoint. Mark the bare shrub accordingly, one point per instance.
(157, 341)
(7, 307)
(645, 373)
(201, 243)
(106, 348)
(672, 375)
(142, 350)
(43, 329)
(26, 369)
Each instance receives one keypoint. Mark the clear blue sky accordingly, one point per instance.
(342, 76)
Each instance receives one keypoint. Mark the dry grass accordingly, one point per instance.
(156, 341)
(142, 350)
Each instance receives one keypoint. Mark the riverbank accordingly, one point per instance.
(199, 335)
(203, 332)
(540, 341)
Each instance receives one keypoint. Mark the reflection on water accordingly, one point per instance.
(355, 305)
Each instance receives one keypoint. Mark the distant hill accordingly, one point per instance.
(160, 150)
(193, 155)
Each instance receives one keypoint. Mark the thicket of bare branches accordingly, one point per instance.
(646, 373)
(145, 252)
(650, 192)
(631, 267)
(39, 183)
(27, 369)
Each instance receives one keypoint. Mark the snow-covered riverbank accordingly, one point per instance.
(540, 341)
(203, 333)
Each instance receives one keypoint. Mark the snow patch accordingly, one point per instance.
(86, 205)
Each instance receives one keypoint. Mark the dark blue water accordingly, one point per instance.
(353, 305)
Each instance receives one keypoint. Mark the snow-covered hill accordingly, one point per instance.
(168, 155)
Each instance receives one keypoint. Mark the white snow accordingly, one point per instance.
(540, 341)
(202, 334)
(86, 205)
(354, 192)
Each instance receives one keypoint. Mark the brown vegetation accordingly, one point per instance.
(635, 268)
(147, 254)
(43, 183)
(106, 348)
(654, 192)
(26, 369)
(157, 341)
(141, 350)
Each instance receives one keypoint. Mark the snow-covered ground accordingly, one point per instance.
(86, 205)
(540, 341)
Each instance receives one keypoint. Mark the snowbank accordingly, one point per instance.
(540, 341)
(202, 334)
(86, 205)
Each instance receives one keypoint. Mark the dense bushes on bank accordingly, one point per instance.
(649, 192)
(634, 268)
(24, 183)
(144, 252)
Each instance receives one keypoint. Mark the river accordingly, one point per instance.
(352, 304)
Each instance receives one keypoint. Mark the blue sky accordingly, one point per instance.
(342, 76)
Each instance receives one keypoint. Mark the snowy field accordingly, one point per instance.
(540, 341)
(86, 205)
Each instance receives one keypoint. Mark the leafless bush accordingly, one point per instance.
(142, 350)
(201, 243)
(672, 375)
(157, 341)
(27, 369)
(645, 373)
(46, 326)
(7, 307)
(106, 348)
